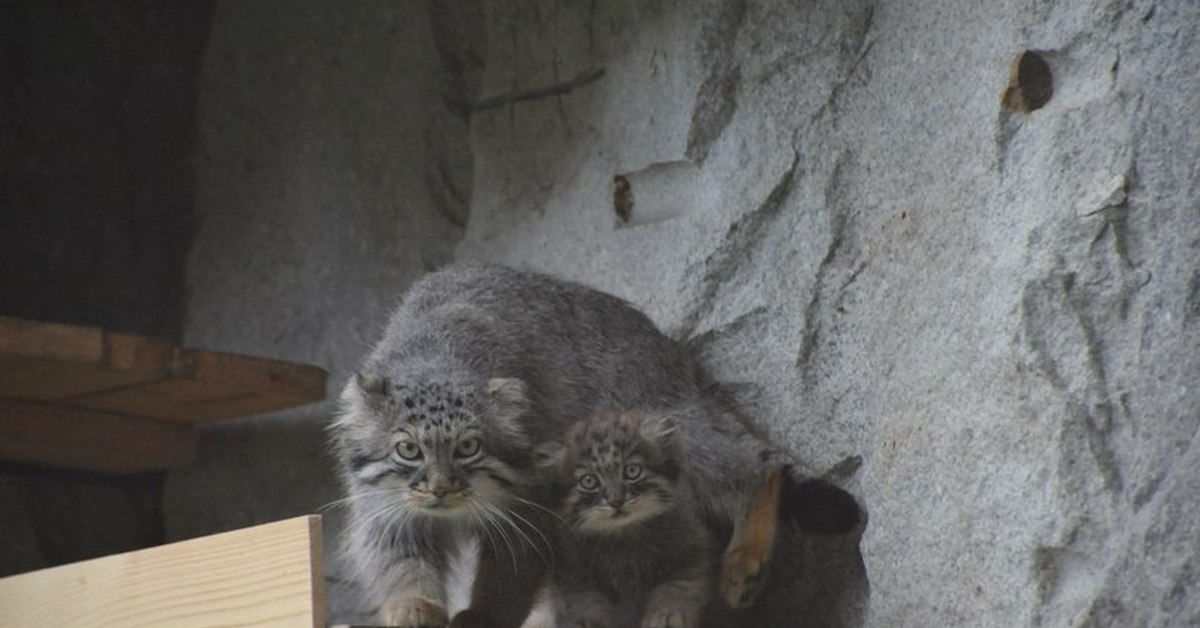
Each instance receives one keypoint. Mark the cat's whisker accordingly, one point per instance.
(390, 515)
(337, 503)
(506, 516)
(479, 523)
(539, 507)
(549, 546)
(499, 530)
(495, 520)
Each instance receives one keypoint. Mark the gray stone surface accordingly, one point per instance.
(996, 312)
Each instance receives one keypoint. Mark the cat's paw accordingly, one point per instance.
(743, 574)
(413, 612)
(470, 618)
(589, 623)
(668, 618)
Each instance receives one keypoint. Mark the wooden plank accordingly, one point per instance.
(84, 439)
(40, 361)
(86, 367)
(269, 575)
(206, 386)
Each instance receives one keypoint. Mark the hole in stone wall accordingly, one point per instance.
(1030, 83)
(661, 191)
(622, 199)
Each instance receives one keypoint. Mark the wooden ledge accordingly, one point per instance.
(59, 379)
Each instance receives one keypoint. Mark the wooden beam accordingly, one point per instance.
(269, 575)
(206, 385)
(85, 439)
(90, 368)
(43, 361)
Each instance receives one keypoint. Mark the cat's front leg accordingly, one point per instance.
(676, 604)
(507, 582)
(588, 608)
(417, 598)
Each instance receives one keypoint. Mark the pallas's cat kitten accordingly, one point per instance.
(436, 432)
(635, 553)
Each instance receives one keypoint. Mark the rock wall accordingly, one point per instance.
(997, 310)
(982, 319)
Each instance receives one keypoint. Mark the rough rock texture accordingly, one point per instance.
(986, 323)
(996, 311)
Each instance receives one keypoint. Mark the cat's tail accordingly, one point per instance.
(817, 505)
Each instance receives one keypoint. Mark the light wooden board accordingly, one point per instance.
(269, 575)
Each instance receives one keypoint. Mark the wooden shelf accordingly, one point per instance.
(268, 575)
(87, 398)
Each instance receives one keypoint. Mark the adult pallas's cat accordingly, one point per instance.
(436, 433)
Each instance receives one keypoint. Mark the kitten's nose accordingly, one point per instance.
(440, 492)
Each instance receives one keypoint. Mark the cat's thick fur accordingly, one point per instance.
(637, 553)
(527, 356)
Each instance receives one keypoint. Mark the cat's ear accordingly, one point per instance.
(508, 401)
(370, 383)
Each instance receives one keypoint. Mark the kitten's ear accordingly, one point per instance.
(662, 430)
(370, 383)
(549, 455)
(508, 401)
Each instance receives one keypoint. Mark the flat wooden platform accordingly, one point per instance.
(87, 398)
(268, 575)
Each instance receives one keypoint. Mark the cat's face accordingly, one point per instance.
(431, 449)
(623, 471)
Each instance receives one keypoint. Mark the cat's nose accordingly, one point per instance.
(441, 492)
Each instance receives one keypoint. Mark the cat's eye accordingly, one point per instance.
(408, 450)
(589, 482)
(467, 447)
(633, 471)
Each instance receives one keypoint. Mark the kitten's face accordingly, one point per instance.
(431, 449)
(624, 472)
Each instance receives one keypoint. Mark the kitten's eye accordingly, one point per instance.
(633, 471)
(589, 482)
(467, 447)
(408, 450)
